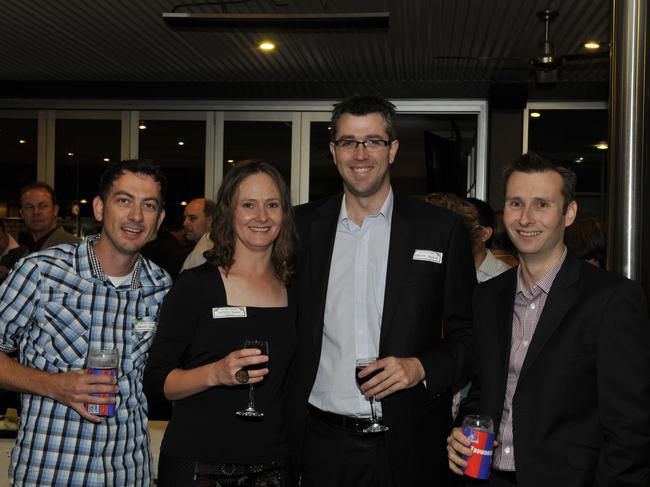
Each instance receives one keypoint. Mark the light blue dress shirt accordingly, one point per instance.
(353, 309)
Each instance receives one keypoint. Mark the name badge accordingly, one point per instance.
(428, 255)
(229, 312)
(143, 326)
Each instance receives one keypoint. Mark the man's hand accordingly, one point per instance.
(397, 374)
(457, 445)
(74, 388)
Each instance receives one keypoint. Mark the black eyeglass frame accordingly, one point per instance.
(381, 143)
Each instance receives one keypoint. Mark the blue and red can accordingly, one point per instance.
(480, 431)
(102, 362)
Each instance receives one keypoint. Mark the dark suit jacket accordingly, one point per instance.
(582, 404)
(421, 300)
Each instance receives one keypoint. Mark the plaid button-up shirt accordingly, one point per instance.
(55, 306)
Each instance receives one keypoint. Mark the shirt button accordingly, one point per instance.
(525, 343)
(532, 306)
(507, 450)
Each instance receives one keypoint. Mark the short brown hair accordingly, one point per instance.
(39, 185)
(532, 162)
(222, 232)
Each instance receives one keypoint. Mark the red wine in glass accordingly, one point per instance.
(250, 411)
(362, 363)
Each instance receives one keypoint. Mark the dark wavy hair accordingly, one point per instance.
(135, 166)
(364, 105)
(222, 232)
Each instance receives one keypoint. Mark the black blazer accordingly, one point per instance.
(582, 403)
(423, 300)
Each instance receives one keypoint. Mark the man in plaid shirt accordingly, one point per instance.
(57, 305)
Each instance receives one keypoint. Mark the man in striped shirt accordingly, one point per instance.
(64, 301)
(561, 352)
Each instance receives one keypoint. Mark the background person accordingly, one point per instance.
(198, 355)
(198, 219)
(39, 210)
(487, 265)
(62, 302)
(10, 251)
(587, 239)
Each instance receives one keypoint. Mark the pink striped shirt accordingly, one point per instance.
(527, 310)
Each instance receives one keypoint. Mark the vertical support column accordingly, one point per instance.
(627, 144)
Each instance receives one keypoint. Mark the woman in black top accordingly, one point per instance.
(197, 359)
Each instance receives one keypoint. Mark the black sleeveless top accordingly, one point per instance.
(194, 329)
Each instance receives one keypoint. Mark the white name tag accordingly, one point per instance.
(144, 326)
(229, 312)
(428, 255)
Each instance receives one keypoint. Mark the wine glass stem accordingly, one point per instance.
(251, 397)
(372, 410)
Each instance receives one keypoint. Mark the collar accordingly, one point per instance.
(386, 210)
(88, 264)
(545, 282)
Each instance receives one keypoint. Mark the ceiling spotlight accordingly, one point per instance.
(601, 146)
(592, 45)
(83, 201)
(266, 46)
(579, 159)
(22, 141)
(107, 159)
(183, 203)
(535, 114)
(230, 161)
(180, 142)
(142, 126)
(70, 154)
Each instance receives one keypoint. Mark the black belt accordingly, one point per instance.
(508, 476)
(353, 424)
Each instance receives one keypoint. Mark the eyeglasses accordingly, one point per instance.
(371, 145)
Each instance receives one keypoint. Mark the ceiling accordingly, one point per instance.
(124, 49)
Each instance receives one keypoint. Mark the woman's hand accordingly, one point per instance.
(222, 372)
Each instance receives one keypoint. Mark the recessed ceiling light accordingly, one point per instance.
(183, 203)
(107, 159)
(592, 45)
(83, 201)
(601, 146)
(535, 114)
(22, 141)
(230, 161)
(70, 154)
(180, 142)
(142, 126)
(266, 46)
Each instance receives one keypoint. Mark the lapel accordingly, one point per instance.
(400, 253)
(321, 241)
(564, 294)
(505, 302)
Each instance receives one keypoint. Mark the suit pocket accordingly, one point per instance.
(583, 457)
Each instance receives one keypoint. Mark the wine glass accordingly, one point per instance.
(362, 363)
(250, 411)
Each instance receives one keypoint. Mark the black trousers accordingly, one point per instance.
(335, 456)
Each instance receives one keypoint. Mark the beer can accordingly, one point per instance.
(102, 362)
(480, 431)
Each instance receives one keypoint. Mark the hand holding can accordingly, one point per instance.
(480, 431)
(102, 362)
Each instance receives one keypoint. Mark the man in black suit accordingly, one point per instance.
(380, 276)
(562, 352)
